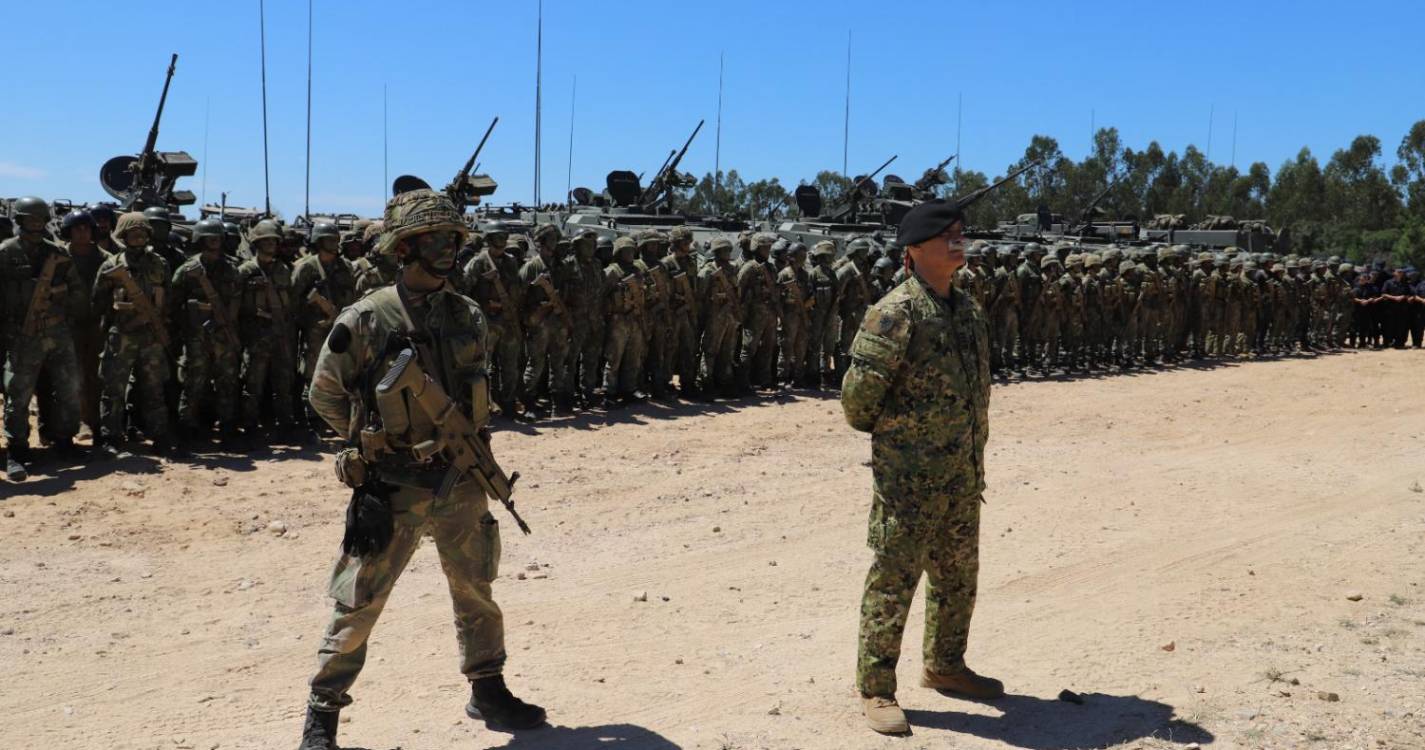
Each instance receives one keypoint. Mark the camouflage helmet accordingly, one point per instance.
(646, 237)
(1050, 262)
(207, 228)
(323, 229)
(546, 230)
(764, 238)
(1249, 265)
(1074, 259)
(1112, 253)
(1034, 248)
(823, 249)
(1334, 260)
(372, 231)
(32, 207)
(157, 213)
(1092, 260)
(418, 212)
(266, 229)
(623, 243)
(131, 220)
(721, 246)
(884, 264)
(678, 234)
(779, 248)
(975, 250)
(1345, 268)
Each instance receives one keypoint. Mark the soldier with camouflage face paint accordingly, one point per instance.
(375, 270)
(395, 500)
(207, 292)
(130, 294)
(42, 296)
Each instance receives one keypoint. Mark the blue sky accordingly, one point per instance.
(1293, 73)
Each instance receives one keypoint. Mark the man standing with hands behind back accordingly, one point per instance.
(919, 382)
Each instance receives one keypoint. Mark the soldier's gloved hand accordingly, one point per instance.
(370, 523)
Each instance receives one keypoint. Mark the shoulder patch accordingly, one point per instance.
(884, 323)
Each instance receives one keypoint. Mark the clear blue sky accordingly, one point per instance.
(83, 79)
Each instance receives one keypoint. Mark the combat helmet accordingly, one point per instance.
(323, 229)
(31, 207)
(207, 228)
(73, 219)
(417, 212)
(131, 220)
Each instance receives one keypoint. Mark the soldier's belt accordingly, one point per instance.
(199, 305)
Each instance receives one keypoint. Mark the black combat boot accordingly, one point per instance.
(67, 450)
(492, 701)
(15, 467)
(319, 732)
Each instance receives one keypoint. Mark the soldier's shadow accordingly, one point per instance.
(616, 736)
(1102, 720)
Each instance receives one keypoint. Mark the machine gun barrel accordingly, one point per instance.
(852, 195)
(969, 200)
(656, 187)
(925, 182)
(457, 185)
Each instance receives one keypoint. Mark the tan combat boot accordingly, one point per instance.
(884, 715)
(964, 683)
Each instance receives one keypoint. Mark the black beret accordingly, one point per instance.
(927, 220)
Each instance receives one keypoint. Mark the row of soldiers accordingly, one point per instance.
(123, 326)
(590, 319)
(1072, 307)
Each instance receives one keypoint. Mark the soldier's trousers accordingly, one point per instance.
(759, 342)
(1030, 345)
(793, 346)
(144, 359)
(209, 369)
(719, 353)
(51, 353)
(1006, 338)
(546, 350)
(267, 371)
(683, 351)
(850, 324)
(505, 340)
(622, 340)
(657, 370)
(586, 353)
(467, 538)
(951, 564)
(812, 362)
(88, 344)
(312, 339)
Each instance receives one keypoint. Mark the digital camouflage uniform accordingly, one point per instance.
(132, 347)
(269, 340)
(49, 347)
(211, 362)
(919, 382)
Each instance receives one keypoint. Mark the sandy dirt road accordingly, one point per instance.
(1231, 556)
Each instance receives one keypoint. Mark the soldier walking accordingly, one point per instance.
(395, 501)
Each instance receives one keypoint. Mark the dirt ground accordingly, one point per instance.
(1231, 556)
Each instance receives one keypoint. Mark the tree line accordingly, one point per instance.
(1355, 205)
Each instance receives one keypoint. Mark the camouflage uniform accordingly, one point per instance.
(682, 269)
(334, 282)
(586, 304)
(853, 296)
(492, 279)
(49, 348)
(133, 347)
(821, 335)
(268, 336)
(1050, 312)
(547, 332)
(757, 292)
(1004, 315)
(212, 356)
(720, 306)
(658, 293)
(624, 337)
(919, 383)
(466, 535)
(796, 300)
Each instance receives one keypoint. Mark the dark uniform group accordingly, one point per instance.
(1071, 307)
